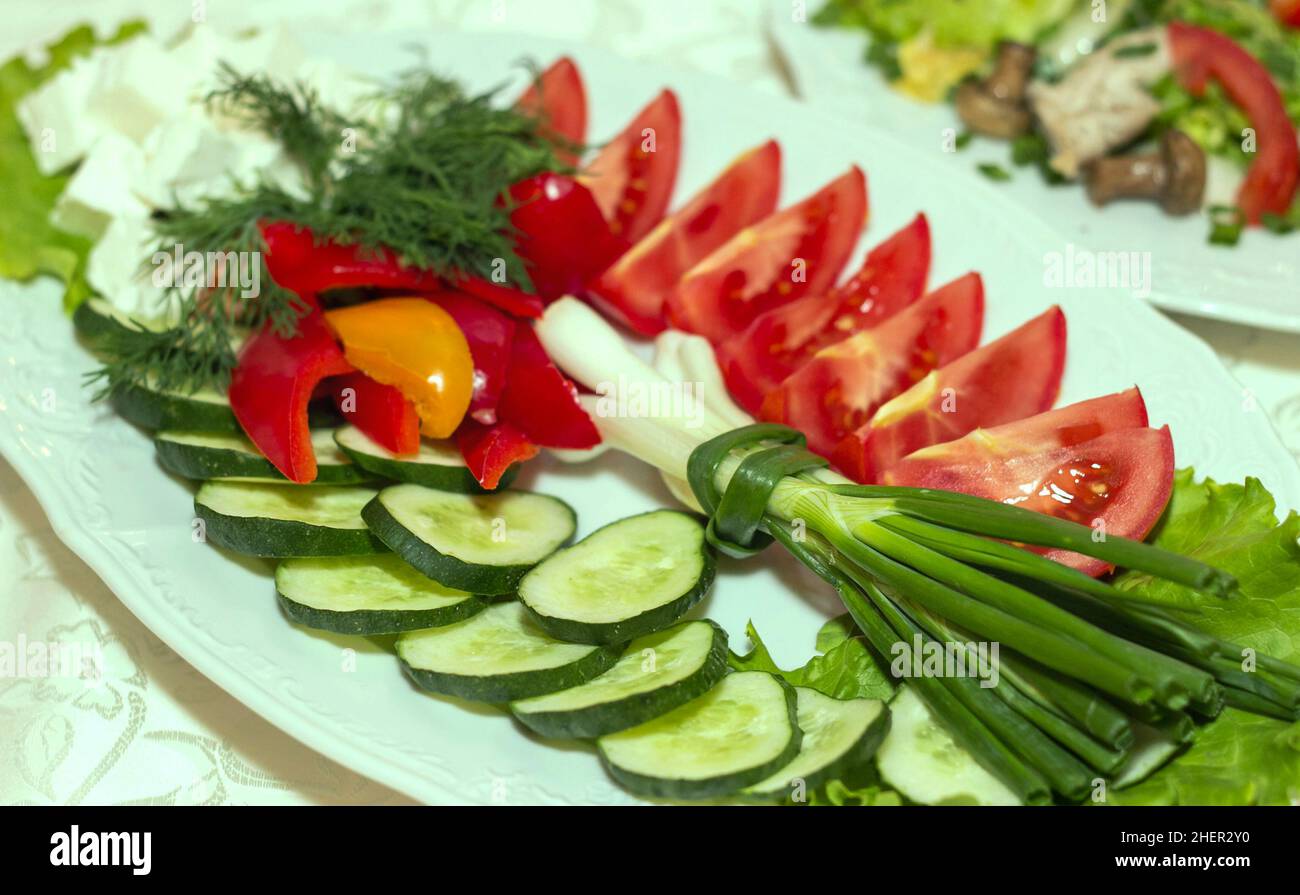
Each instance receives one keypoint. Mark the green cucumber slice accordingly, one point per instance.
(630, 578)
(201, 411)
(438, 464)
(922, 761)
(740, 732)
(499, 655)
(220, 455)
(110, 330)
(286, 520)
(368, 595)
(838, 735)
(657, 673)
(479, 543)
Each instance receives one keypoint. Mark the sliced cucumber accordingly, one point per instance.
(657, 673)
(438, 464)
(368, 595)
(499, 655)
(838, 735)
(219, 455)
(630, 578)
(109, 329)
(920, 759)
(740, 732)
(478, 543)
(200, 411)
(286, 520)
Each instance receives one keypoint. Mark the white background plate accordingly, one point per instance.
(1257, 282)
(109, 501)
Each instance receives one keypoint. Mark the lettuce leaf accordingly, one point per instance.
(1239, 758)
(29, 243)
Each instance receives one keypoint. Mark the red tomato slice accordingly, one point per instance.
(1009, 379)
(797, 251)
(949, 464)
(632, 178)
(780, 341)
(1122, 478)
(1286, 11)
(634, 289)
(1273, 176)
(560, 233)
(841, 387)
(559, 98)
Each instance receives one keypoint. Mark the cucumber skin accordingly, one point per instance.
(155, 410)
(712, 787)
(380, 621)
(202, 463)
(448, 570)
(648, 622)
(284, 538)
(611, 717)
(505, 688)
(104, 334)
(440, 478)
(857, 755)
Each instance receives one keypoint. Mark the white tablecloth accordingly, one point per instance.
(155, 730)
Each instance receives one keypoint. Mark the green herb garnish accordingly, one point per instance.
(1226, 224)
(421, 174)
(993, 172)
(1134, 51)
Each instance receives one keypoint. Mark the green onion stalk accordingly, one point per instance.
(1083, 667)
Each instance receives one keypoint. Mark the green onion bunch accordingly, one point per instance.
(1086, 671)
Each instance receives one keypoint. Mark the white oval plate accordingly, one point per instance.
(1253, 283)
(346, 697)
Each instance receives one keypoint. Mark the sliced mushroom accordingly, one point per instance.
(1174, 175)
(996, 105)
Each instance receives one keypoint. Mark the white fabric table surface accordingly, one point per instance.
(154, 730)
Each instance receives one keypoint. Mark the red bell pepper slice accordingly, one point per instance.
(1271, 180)
(1286, 11)
(490, 450)
(297, 261)
(561, 234)
(380, 411)
(490, 335)
(540, 401)
(271, 384)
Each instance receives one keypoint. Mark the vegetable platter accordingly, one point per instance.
(346, 695)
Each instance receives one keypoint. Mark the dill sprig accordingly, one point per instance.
(423, 173)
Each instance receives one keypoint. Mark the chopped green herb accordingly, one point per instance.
(1226, 224)
(963, 139)
(1134, 51)
(993, 172)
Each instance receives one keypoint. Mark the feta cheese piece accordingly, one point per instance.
(189, 159)
(54, 116)
(100, 190)
(141, 85)
(120, 268)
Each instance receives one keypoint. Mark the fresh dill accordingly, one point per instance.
(422, 173)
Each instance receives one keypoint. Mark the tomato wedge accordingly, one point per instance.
(797, 251)
(1271, 180)
(632, 178)
(1009, 379)
(559, 98)
(949, 464)
(560, 233)
(634, 289)
(843, 385)
(780, 341)
(1117, 482)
